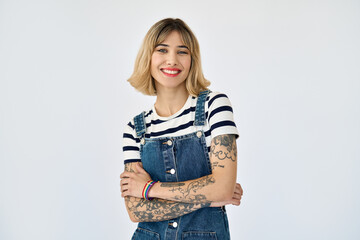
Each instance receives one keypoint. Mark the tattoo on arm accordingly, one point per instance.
(128, 167)
(188, 193)
(217, 164)
(171, 184)
(223, 147)
(159, 209)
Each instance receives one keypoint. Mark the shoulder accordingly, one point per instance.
(130, 126)
(217, 99)
(220, 115)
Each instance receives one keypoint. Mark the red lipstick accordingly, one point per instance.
(170, 72)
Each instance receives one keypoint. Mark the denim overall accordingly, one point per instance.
(177, 159)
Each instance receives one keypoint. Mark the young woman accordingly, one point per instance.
(180, 156)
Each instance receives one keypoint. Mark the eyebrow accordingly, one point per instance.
(165, 45)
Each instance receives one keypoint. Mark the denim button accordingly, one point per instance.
(169, 142)
(175, 224)
(172, 171)
(198, 134)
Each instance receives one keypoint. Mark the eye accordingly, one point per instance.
(183, 52)
(162, 50)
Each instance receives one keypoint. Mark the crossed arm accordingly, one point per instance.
(142, 210)
(174, 199)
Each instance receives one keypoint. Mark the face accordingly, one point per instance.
(170, 63)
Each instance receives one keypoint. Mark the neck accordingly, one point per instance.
(169, 102)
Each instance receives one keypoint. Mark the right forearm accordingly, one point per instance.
(155, 210)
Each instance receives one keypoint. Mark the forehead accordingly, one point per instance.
(172, 38)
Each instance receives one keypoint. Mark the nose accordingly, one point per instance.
(171, 59)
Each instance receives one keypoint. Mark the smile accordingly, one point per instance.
(171, 72)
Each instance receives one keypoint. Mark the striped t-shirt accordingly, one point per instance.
(218, 113)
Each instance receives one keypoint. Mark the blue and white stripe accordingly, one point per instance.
(219, 115)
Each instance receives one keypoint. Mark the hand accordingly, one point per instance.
(236, 198)
(132, 183)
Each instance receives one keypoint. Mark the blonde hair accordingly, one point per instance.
(141, 78)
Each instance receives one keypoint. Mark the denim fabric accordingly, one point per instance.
(188, 156)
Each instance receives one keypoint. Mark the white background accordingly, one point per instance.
(290, 68)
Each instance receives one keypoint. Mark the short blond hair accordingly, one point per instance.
(141, 78)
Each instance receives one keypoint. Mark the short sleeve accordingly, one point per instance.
(220, 115)
(131, 144)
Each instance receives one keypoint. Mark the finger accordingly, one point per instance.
(235, 202)
(237, 196)
(236, 199)
(123, 184)
(126, 174)
(139, 168)
(124, 188)
(237, 192)
(124, 193)
(239, 189)
(124, 181)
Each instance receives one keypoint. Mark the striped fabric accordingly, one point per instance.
(219, 115)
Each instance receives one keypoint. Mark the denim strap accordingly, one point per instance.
(140, 126)
(200, 108)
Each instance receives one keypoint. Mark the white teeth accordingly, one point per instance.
(170, 72)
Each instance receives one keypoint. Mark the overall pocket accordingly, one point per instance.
(143, 234)
(195, 235)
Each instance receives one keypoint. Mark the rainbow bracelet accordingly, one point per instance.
(146, 189)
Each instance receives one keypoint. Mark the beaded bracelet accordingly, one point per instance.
(146, 189)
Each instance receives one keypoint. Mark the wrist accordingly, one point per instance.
(146, 189)
(153, 190)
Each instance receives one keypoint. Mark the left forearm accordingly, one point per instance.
(209, 188)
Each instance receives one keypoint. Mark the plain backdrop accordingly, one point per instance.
(290, 68)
